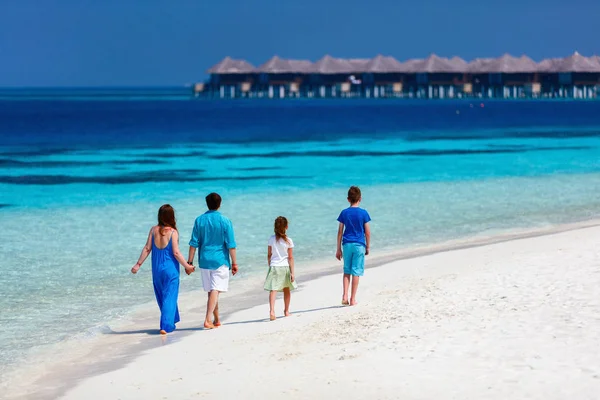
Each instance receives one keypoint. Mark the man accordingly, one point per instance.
(213, 237)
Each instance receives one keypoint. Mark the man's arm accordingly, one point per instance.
(231, 245)
(194, 243)
(367, 237)
(233, 256)
(338, 253)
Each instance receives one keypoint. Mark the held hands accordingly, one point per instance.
(189, 268)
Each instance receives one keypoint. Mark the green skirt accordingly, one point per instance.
(279, 278)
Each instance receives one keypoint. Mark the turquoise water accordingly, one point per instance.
(77, 208)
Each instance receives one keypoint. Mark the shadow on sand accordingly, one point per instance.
(155, 332)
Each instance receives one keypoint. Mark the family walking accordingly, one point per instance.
(213, 237)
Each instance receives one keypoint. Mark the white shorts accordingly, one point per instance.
(215, 279)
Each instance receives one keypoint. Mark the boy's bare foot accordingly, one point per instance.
(163, 332)
(208, 325)
(272, 317)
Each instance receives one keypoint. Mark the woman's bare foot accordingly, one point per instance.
(208, 325)
(163, 332)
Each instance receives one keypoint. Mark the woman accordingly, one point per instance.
(163, 242)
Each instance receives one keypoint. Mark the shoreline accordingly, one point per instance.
(142, 337)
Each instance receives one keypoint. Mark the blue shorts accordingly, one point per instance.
(354, 259)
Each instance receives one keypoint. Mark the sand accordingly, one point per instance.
(513, 320)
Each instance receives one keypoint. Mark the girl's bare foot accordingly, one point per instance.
(208, 325)
(163, 332)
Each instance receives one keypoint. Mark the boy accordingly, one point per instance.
(354, 234)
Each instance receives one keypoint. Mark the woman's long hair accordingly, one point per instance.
(281, 225)
(166, 218)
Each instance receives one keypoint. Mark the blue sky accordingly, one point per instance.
(173, 42)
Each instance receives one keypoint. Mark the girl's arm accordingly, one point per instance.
(367, 237)
(145, 251)
(338, 253)
(269, 254)
(291, 261)
(178, 256)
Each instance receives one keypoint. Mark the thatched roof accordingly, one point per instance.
(231, 66)
(382, 64)
(332, 65)
(506, 64)
(278, 65)
(574, 63)
(431, 64)
(459, 64)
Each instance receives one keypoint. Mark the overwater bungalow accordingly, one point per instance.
(434, 77)
(281, 78)
(504, 77)
(575, 77)
(229, 78)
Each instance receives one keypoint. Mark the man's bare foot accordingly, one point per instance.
(208, 325)
(272, 317)
(163, 332)
(287, 313)
(217, 323)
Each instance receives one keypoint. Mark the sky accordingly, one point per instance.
(56, 43)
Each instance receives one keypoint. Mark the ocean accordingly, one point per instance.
(81, 181)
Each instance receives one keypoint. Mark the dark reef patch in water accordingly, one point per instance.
(11, 163)
(254, 168)
(418, 152)
(176, 155)
(145, 177)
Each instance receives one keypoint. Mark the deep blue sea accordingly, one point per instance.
(81, 182)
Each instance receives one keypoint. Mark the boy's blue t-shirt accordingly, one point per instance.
(354, 220)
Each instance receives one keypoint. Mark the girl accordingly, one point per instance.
(281, 266)
(163, 244)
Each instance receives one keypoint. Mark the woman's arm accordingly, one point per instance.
(178, 256)
(338, 253)
(291, 262)
(145, 251)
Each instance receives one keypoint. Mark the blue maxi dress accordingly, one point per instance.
(165, 277)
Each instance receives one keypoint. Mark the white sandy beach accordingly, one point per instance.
(512, 320)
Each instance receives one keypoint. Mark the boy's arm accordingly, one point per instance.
(338, 253)
(367, 237)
